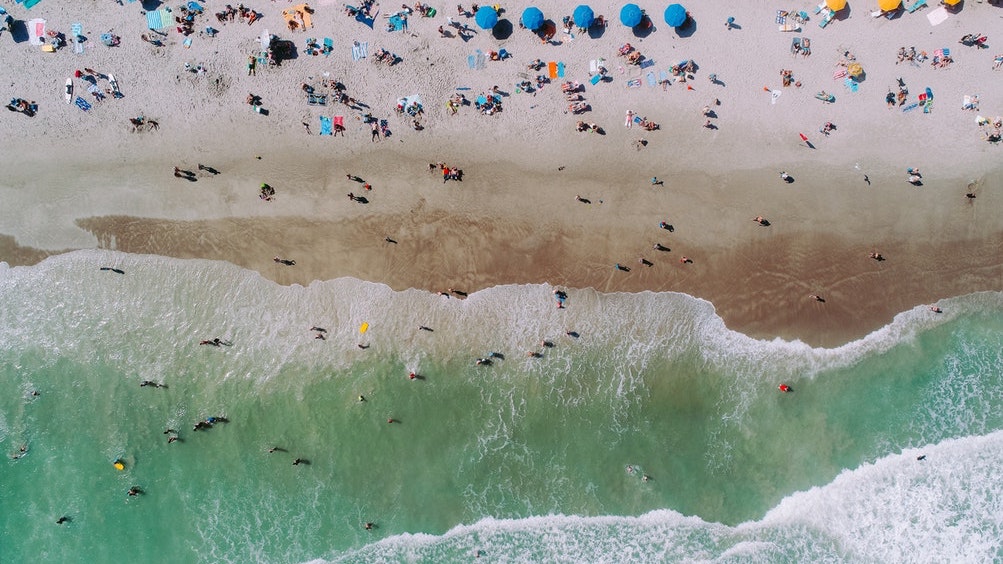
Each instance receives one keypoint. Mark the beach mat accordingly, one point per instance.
(595, 79)
(82, 104)
(325, 125)
(29, 4)
(647, 63)
(560, 70)
(651, 79)
(552, 69)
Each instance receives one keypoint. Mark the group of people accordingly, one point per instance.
(229, 13)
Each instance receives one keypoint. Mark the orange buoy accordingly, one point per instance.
(784, 388)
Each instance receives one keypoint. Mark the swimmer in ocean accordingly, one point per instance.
(135, 490)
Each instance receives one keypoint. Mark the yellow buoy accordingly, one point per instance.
(119, 465)
(363, 328)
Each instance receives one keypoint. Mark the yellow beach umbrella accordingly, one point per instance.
(952, 2)
(854, 69)
(835, 5)
(889, 5)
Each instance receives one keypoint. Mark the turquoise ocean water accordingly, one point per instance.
(527, 460)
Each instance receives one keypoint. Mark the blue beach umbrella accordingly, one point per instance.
(532, 18)
(630, 15)
(675, 15)
(583, 16)
(486, 17)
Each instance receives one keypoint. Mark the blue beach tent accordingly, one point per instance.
(630, 15)
(583, 16)
(675, 15)
(486, 17)
(532, 18)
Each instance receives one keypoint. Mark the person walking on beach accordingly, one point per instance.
(375, 131)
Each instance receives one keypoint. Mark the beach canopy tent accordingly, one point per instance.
(583, 16)
(889, 5)
(532, 18)
(675, 15)
(630, 15)
(835, 5)
(486, 17)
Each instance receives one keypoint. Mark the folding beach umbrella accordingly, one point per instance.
(675, 15)
(835, 5)
(486, 17)
(630, 15)
(889, 5)
(952, 2)
(583, 16)
(532, 18)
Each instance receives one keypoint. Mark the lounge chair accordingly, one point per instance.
(916, 5)
(795, 45)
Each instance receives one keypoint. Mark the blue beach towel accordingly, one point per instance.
(29, 4)
(471, 62)
(910, 107)
(158, 19)
(397, 23)
(647, 63)
(328, 46)
(82, 104)
(360, 50)
(662, 76)
(325, 125)
(560, 70)
(851, 84)
(595, 79)
(651, 79)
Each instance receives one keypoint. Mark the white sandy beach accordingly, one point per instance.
(75, 179)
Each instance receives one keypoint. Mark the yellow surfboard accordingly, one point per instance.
(363, 328)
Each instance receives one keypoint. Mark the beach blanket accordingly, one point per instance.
(552, 69)
(839, 74)
(663, 76)
(647, 63)
(82, 104)
(158, 19)
(339, 122)
(396, 23)
(360, 50)
(938, 16)
(36, 31)
(325, 125)
(651, 79)
(595, 79)
(774, 95)
(634, 83)
(851, 84)
(328, 46)
(560, 70)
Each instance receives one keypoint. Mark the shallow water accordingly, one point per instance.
(529, 459)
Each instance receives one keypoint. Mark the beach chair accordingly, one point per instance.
(916, 5)
(826, 18)
(795, 45)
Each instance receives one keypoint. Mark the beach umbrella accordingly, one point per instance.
(889, 5)
(952, 2)
(675, 15)
(583, 16)
(532, 18)
(486, 17)
(835, 5)
(630, 15)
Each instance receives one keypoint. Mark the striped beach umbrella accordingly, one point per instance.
(630, 15)
(486, 17)
(675, 15)
(583, 16)
(532, 18)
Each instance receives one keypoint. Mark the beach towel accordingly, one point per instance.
(774, 95)
(781, 18)
(839, 74)
(593, 66)
(328, 46)
(647, 63)
(552, 69)
(651, 79)
(634, 83)
(339, 122)
(910, 107)
(325, 125)
(938, 16)
(36, 31)
(77, 29)
(29, 4)
(595, 79)
(472, 61)
(360, 50)
(187, 42)
(194, 7)
(396, 23)
(560, 70)
(82, 104)
(851, 84)
(158, 19)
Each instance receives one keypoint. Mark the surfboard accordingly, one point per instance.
(68, 92)
(114, 84)
(363, 328)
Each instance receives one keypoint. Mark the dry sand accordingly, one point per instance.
(83, 180)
